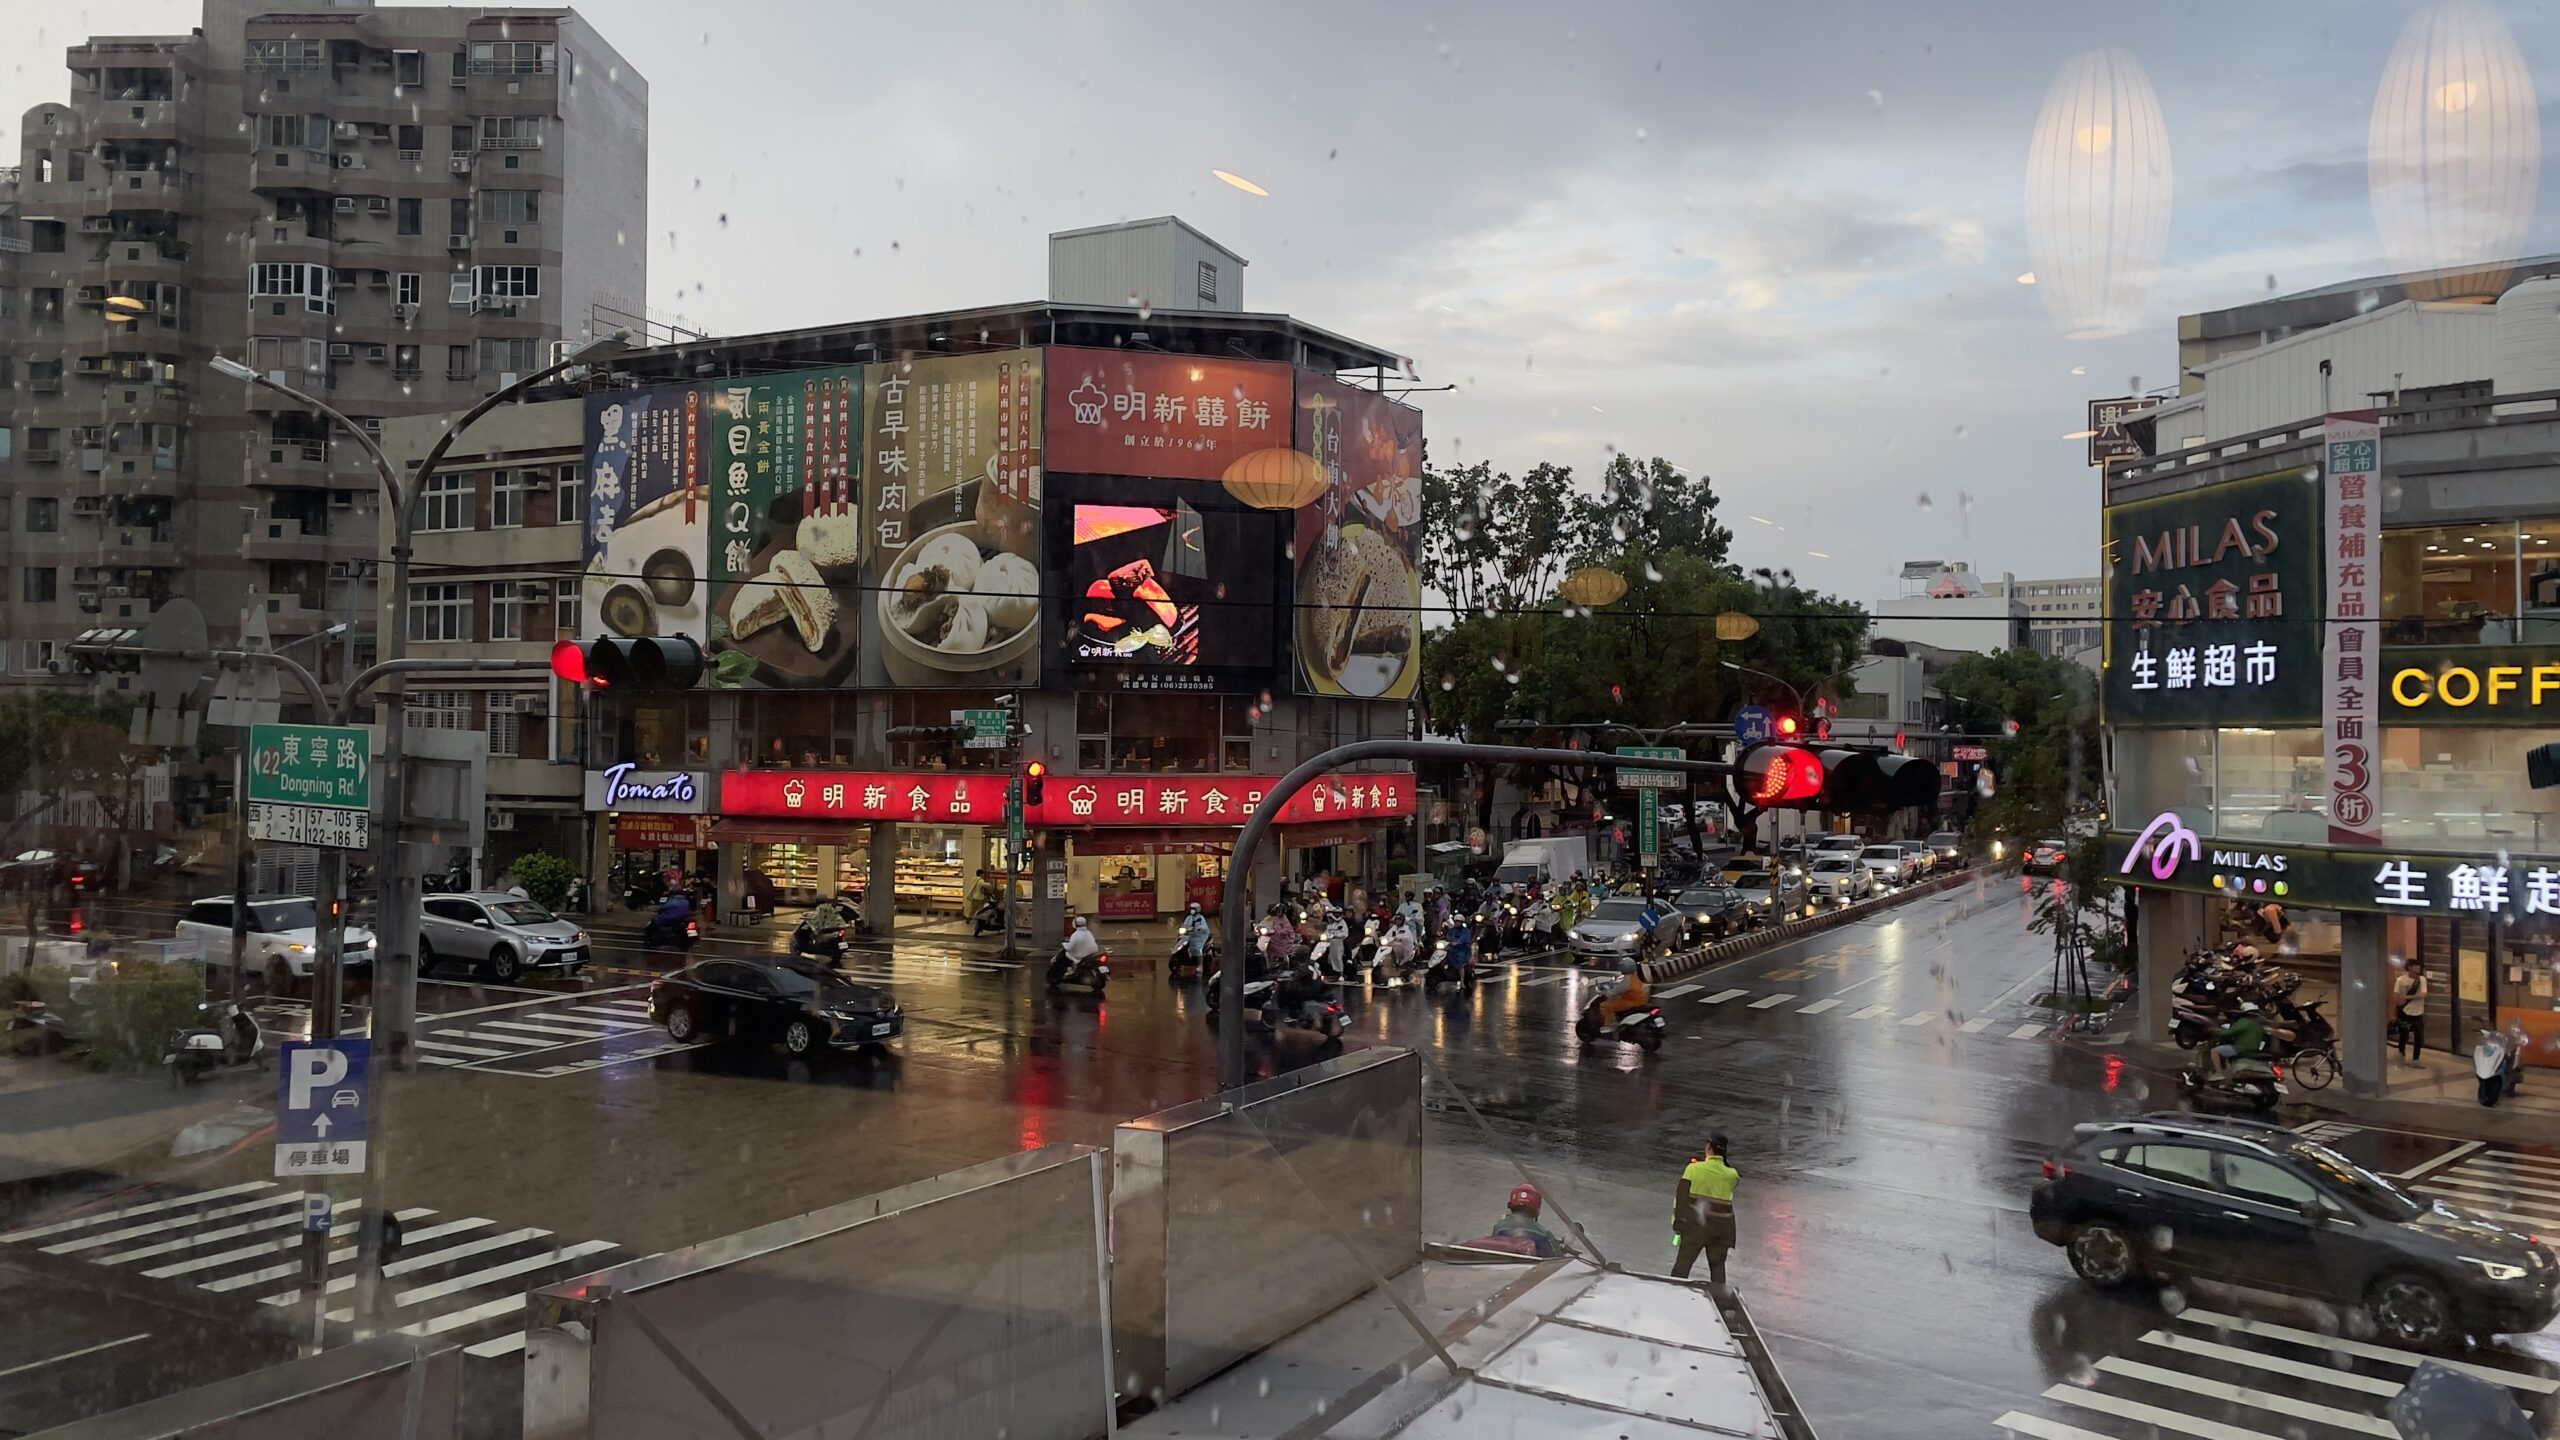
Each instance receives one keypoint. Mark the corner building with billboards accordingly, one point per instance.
(2329, 647)
(1177, 546)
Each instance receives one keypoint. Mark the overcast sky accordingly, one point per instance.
(1777, 243)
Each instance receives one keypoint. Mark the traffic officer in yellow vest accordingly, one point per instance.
(1702, 1212)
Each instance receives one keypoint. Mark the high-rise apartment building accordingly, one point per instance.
(395, 209)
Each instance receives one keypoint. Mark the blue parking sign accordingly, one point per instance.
(321, 1106)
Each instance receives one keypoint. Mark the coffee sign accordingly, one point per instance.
(2213, 598)
(2471, 685)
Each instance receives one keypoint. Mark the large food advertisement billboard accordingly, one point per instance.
(1171, 417)
(786, 538)
(952, 503)
(1165, 596)
(1359, 593)
(647, 514)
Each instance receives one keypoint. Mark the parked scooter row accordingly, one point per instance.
(2211, 987)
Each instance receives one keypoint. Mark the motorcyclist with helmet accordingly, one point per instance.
(1632, 993)
(1194, 932)
(1520, 1221)
(2243, 1039)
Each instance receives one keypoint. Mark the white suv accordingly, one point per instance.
(283, 939)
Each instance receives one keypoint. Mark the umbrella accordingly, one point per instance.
(2445, 1404)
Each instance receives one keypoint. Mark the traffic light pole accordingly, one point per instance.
(1233, 921)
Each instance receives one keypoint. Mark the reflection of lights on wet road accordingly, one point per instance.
(1035, 1130)
(2115, 1072)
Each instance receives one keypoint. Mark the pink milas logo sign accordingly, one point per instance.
(2171, 834)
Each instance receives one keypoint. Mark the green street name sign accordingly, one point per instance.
(327, 765)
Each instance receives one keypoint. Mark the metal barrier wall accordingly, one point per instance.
(392, 1387)
(973, 1303)
(1238, 1219)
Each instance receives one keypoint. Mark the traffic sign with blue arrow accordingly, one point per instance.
(321, 1104)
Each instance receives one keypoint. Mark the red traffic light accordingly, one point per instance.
(1034, 778)
(569, 662)
(1781, 775)
(1789, 726)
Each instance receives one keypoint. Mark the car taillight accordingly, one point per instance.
(2278, 1069)
(2055, 1170)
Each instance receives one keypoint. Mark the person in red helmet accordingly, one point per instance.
(1520, 1221)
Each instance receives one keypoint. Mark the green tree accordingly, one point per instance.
(546, 878)
(2050, 770)
(1652, 508)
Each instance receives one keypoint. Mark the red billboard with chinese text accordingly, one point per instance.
(1172, 417)
(1071, 801)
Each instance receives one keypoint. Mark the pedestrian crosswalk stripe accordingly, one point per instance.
(1674, 993)
(2043, 1429)
(2404, 1358)
(1816, 1008)
(162, 1227)
(493, 1037)
(494, 1349)
(154, 1207)
(557, 1032)
(2518, 1166)
(1872, 1012)
(2254, 1399)
(1922, 1018)
(2483, 1180)
(477, 1278)
(2273, 1364)
(1549, 978)
(2153, 1415)
(1976, 1025)
(1722, 996)
(2026, 1032)
(609, 1024)
(430, 1042)
(1767, 1001)
(592, 1024)
(227, 1232)
(2487, 1210)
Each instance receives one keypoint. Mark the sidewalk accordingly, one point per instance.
(2439, 1092)
(59, 1122)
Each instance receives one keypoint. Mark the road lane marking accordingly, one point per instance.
(407, 1263)
(71, 1355)
(2026, 1032)
(2274, 1364)
(548, 999)
(2447, 1158)
(2485, 1209)
(2406, 1359)
(1675, 992)
(64, 1227)
(1872, 1012)
(227, 1232)
(2179, 1421)
(2521, 1164)
(1922, 1018)
(1722, 996)
(494, 1037)
(2255, 1399)
(1816, 1008)
(1977, 1025)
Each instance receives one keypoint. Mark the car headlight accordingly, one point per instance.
(2496, 1269)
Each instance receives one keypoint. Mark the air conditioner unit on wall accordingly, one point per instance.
(461, 164)
(349, 160)
(501, 819)
(346, 205)
(457, 242)
(341, 351)
(404, 312)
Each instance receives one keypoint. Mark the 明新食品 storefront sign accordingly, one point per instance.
(1069, 801)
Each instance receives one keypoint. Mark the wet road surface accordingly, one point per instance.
(1889, 1088)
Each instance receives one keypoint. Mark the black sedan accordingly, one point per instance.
(799, 1005)
(2250, 1203)
(1711, 912)
(2044, 857)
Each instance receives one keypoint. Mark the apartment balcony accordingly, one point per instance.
(293, 170)
(148, 189)
(146, 547)
(133, 120)
(290, 464)
(273, 539)
(292, 615)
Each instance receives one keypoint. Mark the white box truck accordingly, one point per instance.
(1547, 861)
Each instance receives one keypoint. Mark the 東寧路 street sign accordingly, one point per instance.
(1652, 779)
(321, 825)
(988, 729)
(329, 765)
(321, 1105)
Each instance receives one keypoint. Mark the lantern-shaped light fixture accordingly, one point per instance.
(1734, 625)
(2454, 152)
(1593, 586)
(2098, 189)
(1275, 479)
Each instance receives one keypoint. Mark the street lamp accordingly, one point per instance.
(1790, 685)
(395, 986)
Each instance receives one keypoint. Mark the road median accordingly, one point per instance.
(1689, 962)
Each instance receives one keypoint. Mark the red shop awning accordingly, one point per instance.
(1314, 837)
(732, 830)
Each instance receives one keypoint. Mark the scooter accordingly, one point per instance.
(221, 1037)
(667, 930)
(1329, 952)
(2493, 1060)
(824, 941)
(35, 1029)
(2255, 1084)
(2191, 1027)
(1539, 929)
(1642, 1028)
(1442, 971)
(990, 918)
(1372, 947)
(1093, 970)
